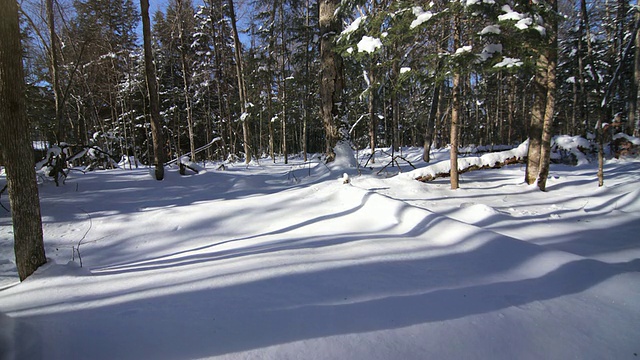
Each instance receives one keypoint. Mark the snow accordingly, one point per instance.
(633, 140)
(404, 69)
(573, 144)
(421, 17)
(489, 159)
(508, 63)
(276, 261)
(353, 26)
(489, 50)
(524, 23)
(490, 29)
(369, 44)
(462, 50)
(509, 14)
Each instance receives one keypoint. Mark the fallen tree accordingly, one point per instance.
(573, 150)
(487, 161)
(497, 165)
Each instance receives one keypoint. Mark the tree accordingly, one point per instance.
(184, 11)
(54, 69)
(242, 89)
(331, 76)
(16, 148)
(152, 91)
(549, 112)
(455, 106)
(636, 79)
(543, 111)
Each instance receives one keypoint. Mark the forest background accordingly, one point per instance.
(84, 67)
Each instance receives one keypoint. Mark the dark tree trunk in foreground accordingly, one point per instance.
(331, 75)
(15, 145)
(152, 88)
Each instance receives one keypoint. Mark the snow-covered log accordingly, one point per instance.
(486, 161)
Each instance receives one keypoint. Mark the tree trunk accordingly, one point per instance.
(537, 120)
(55, 81)
(15, 145)
(373, 123)
(433, 113)
(307, 95)
(636, 78)
(241, 85)
(395, 112)
(549, 112)
(152, 90)
(331, 75)
(455, 109)
(285, 154)
(185, 79)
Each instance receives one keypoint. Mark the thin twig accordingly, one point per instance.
(77, 248)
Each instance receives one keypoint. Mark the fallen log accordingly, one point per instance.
(473, 167)
(487, 161)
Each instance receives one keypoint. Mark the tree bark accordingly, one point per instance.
(331, 75)
(15, 145)
(55, 81)
(549, 112)
(241, 85)
(373, 123)
(537, 120)
(185, 78)
(285, 154)
(433, 111)
(152, 90)
(455, 109)
(636, 78)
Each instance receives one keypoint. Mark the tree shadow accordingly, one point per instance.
(306, 305)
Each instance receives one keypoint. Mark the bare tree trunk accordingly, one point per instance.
(549, 112)
(306, 97)
(373, 123)
(285, 154)
(185, 79)
(636, 78)
(455, 109)
(395, 112)
(222, 105)
(537, 120)
(152, 90)
(433, 113)
(241, 85)
(16, 147)
(54, 58)
(455, 118)
(331, 75)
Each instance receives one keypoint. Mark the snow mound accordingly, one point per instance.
(344, 158)
(472, 213)
(633, 140)
(629, 202)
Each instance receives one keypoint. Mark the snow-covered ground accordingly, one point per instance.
(275, 261)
